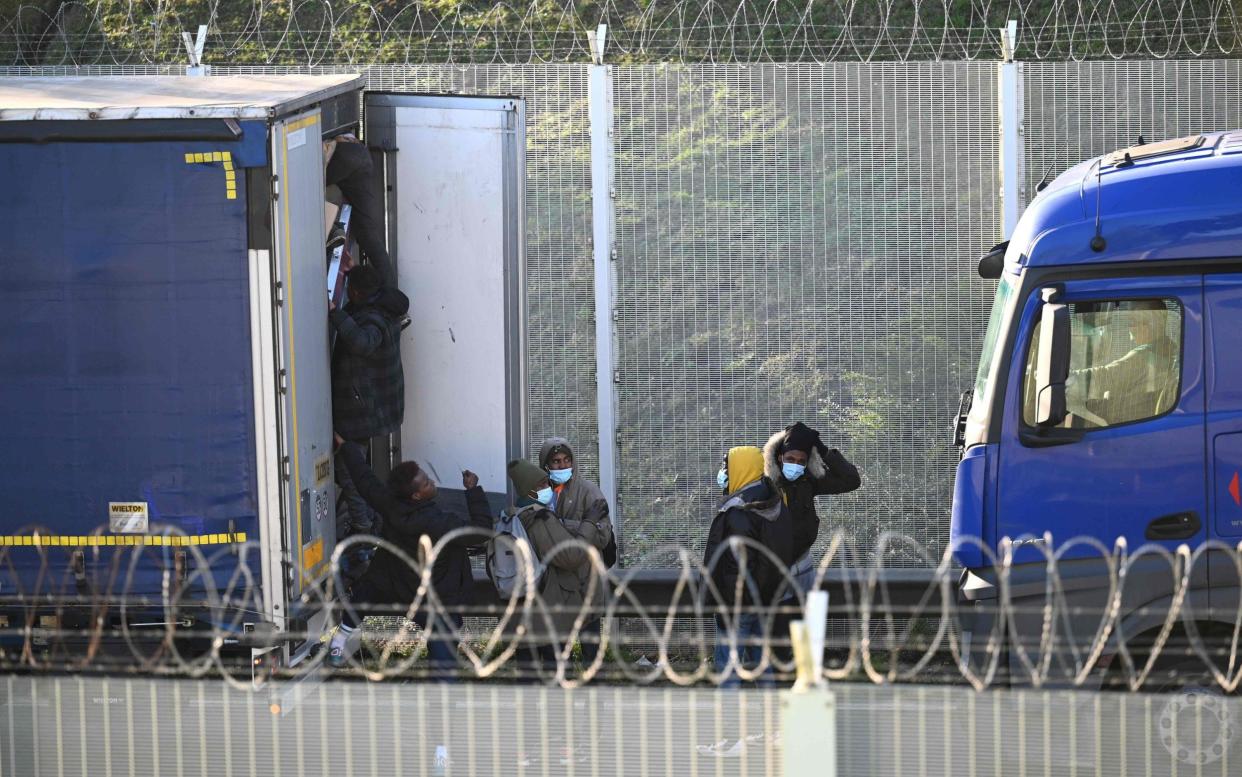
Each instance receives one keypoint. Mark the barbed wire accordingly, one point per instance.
(162, 606)
(322, 32)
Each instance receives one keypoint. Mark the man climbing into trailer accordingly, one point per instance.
(407, 504)
(348, 167)
(368, 382)
(803, 467)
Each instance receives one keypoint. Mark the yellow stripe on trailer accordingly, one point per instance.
(97, 540)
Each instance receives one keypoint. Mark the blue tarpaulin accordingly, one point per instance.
(125, 363)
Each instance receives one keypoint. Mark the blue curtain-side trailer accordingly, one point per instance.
(164, 364)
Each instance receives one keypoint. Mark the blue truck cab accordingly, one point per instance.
(1108, 399)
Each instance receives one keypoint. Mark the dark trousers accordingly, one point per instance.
(350, 169)
(441, 629)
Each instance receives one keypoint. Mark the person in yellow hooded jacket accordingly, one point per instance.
(747, 579)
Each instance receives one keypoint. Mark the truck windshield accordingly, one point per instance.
(1003, 292)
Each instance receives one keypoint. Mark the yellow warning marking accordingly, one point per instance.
(96, 540)
(312, 556)
(225, 158)
(299, 124)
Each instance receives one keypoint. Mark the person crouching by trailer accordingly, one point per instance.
(567, 578)
(574, 498)
(747, 579)
(368, 382)
(803, 467)
(407, 505)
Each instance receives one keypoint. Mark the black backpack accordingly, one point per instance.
(610, 552)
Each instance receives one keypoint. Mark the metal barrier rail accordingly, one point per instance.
(1038, 614)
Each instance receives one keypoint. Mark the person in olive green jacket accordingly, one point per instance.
(574, 498)
(569, 574)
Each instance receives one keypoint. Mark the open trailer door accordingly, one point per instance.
(456, 180)
(304, 380)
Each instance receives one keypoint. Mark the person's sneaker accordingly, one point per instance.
(336, 238)
(337, 657)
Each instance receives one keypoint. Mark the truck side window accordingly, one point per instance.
(1125, 363)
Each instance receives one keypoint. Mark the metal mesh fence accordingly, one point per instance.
(796, 243)
(78, 726)
(1077, 110)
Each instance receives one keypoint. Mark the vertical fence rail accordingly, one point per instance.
(1013, 159)
(602, 215)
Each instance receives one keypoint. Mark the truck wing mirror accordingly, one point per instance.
(1052, 365)
(992, 264)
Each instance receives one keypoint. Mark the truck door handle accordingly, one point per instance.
(1176, 526)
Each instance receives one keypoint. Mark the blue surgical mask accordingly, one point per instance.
(544, 495)
(722, 479)
(559, 476)
(792, 471)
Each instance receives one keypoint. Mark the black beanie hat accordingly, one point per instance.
(800, 437)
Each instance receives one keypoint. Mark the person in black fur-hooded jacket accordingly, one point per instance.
(803, 467)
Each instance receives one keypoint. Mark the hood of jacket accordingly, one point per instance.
(815, 466)
(550, 444)
(761, 498)
(392, 301)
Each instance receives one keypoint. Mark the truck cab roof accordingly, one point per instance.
(1178, 199)
(166, 97)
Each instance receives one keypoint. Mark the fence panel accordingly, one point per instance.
(1077, 110)
(797, 243)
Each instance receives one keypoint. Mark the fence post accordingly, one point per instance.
(1012, 163)
(809, 709)
(602, 214)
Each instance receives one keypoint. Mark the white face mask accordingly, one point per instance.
(722, 479)
(792, 471)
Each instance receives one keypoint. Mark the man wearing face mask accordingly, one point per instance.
(574, 498)
(569, 572)
(747, 578)
(802, 467)
(407, 504)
